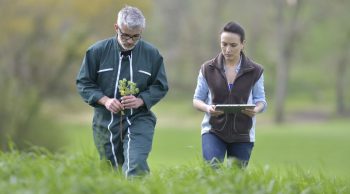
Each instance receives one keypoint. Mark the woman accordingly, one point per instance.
(229, 78)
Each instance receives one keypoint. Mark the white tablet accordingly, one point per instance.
(233, 108)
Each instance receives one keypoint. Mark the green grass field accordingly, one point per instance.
(296, 157)
(308, 146)
(315, 146)
(41, 172)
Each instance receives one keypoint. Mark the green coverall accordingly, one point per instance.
(103, 66)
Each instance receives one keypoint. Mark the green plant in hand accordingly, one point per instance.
(127, 88)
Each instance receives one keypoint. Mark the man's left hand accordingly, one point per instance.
(131, 102)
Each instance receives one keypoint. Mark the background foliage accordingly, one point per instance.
(303, 45)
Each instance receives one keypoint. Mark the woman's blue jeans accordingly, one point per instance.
(214, 150)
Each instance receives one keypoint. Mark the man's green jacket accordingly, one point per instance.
(104, 65)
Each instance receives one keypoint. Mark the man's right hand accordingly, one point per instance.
(111, 104)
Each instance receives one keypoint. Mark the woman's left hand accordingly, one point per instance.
(250, 112)
(253, 111)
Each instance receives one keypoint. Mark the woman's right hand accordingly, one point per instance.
(211, 110)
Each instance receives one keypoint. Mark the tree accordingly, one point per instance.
(341, 74)
(40, 41)
(341, 78)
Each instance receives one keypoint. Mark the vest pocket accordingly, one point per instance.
(218, 123)
(242, 124)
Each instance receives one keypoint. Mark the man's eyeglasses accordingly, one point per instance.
(126, 37)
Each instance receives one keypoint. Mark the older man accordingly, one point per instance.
(123, 139)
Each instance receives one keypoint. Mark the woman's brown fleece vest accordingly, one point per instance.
(231, 127)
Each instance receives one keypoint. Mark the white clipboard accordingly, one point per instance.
(233, 108)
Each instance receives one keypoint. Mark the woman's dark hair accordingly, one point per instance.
(234, 27)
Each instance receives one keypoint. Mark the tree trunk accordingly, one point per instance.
(340, 87)
(341, 79)
(287, 34)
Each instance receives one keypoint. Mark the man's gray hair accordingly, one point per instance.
(132, 17)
